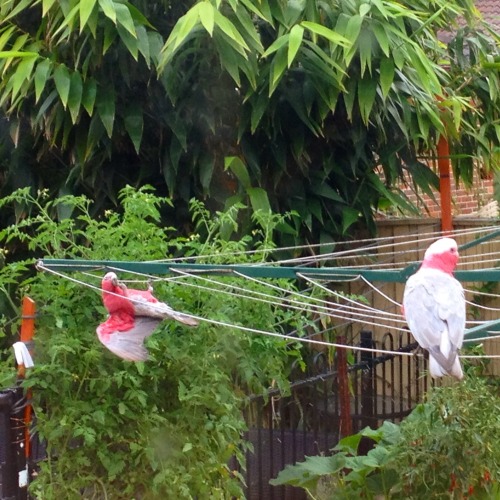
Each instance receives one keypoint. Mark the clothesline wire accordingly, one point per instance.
(290, 303)
(262, 332)
(369, 243)
(253, 330)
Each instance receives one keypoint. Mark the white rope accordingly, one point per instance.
(481, 339)
(479, 356)
(369, 243)
(479, 306)
(291, 303)
(379, 312)
(273, 334)
(252, 330)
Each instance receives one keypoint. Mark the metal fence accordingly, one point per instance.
(285, 429)
(12, 436)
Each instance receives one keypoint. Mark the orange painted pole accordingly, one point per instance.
(28, 311)
(443, 151)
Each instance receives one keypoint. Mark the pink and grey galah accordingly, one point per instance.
(133, 316)
(434, 308)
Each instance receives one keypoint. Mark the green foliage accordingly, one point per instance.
(308, 107)
(166, 428)
(444, 449)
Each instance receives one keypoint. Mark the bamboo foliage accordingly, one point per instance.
(315, 99)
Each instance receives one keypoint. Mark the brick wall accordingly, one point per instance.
(477, 200)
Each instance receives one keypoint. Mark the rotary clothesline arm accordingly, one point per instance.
(276, 272)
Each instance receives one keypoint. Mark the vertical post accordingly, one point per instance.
(443, 151)
(26, 335)
(367, 381)
(345, 400)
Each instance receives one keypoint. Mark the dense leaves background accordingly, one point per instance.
(166, 428)
(443, 449)
(312, 107)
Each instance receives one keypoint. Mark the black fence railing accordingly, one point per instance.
(285, 429)
(13, 472)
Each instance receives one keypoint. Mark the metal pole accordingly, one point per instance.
(443, 151)
(345, 399)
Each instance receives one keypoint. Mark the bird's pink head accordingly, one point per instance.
(442, 255)
(117, 299)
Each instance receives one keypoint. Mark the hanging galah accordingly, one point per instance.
(138, 302)
(434, 308)
(124, 334)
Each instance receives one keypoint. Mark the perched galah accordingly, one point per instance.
(123, 334)
(434, 308)
(138, 302)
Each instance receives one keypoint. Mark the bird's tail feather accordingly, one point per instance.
(440, 366)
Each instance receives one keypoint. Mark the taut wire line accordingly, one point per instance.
(290, 303)
(290, 338)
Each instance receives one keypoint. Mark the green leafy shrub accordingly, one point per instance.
(446, 448)
(166, 428)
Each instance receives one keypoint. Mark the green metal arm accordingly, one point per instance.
(259, 271)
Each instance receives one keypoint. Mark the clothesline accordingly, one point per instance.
(321, 306)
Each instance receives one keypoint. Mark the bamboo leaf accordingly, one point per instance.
(206, 13)
(86, 9)
(264, 12)
(276, 45)
(382, 37)
(124, 18)
(353, 28)
(42, 73)
(109, 37)
(24, 4)
(105, 103)
(143, 44)
(278, 67)
(62, 81)
(108, 7)
(259, 199)
(296, 35)
(129, 41)
(367, 92)
(5, 37)
(259, 107)
(186, 24)
(387, 71)
(349, 217)
(245, 24)
(138, 16)
(228, 57)
(206, 168)
(327, 33)
(365, 50)
(22, 73)
(8, 54)
(134, 125)
(225, 25)
(68, 22)
(239, 169)
(75, 95)
(46, 6)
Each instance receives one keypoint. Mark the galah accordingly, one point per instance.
(124, 334)
(138, 302)
(434, 308)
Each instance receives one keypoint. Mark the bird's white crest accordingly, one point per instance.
(441, 246)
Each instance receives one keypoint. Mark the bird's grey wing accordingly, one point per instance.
(129, 345)
(432, 304)
(160, 310)
(450, 299)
